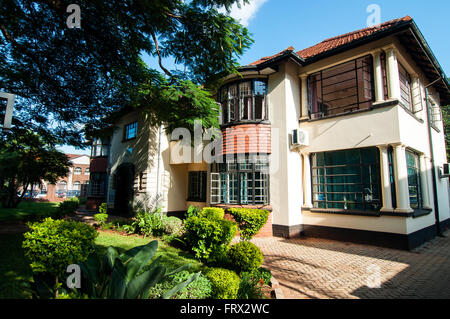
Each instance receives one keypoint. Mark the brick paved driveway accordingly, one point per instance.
(318, 268)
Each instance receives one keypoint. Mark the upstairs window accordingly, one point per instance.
(341, 89)
(77, 171)
(100, 147)
(405, 87)
(243, 101)
(130, 131)
(86, 171)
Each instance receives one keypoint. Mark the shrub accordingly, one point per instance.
(68, 206)
(52, 245)
(201, 288)
(251, 287)
(250, 221)
(212, 212)
(173, 226)
(149, 223)
(83, 200)
(225, 283)
(205, 235)
(101, 218)
(263, 274)
(245, 256)
(128, 275)
(103, 208)
(192, 211)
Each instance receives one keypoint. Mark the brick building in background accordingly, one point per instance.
(76, 183)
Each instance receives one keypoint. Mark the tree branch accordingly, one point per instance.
(159, 55)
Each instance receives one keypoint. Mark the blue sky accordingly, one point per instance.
(278, 24)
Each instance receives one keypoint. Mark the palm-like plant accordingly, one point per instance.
(127, 275)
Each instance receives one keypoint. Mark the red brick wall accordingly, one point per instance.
(246, 138)
(99, 164)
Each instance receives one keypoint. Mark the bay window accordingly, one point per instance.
(100, 147)
(243, 180)
(243, 101)
(344, 88)
(347, 180)
(97, 184)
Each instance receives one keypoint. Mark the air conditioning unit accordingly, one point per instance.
(299, 138)
(445, 170)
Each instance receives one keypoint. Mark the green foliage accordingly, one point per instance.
(93, 70)
(263, 274)
(173, 226)
(245, 257)
(251, 287)
(212, 212)
(250, 221)
(130, 275)
(103, 208)
(101, 218)
(192, 211)
(83, 200)
(225, 283)
(68, 207)
(25, 160)
(149, 223)
(205, 235)
(52, 245)
(201, 288)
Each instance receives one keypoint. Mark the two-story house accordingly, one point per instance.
(342, 140)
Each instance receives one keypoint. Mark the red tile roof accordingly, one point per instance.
(335, 42)
(267, 58)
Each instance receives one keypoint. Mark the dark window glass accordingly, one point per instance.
(197, 186)
(392, 176)
(348, 179)
(415, 195)
(97, 184)
(341, 89)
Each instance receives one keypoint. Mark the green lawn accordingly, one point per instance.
(27, 209)
(14, 267)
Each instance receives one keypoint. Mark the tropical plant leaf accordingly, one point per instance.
(180, 286)
(140, 284)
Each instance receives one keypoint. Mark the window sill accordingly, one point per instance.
(435, 128)
(245, 122)
(410, 113)
(419, 212)
(345, 212)
(127, 140)
(375, 105)
(261, 206)
(196, 200)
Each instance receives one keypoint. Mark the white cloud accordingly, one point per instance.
(246, 12)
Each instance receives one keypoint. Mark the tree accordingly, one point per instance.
(26, 160)
(68, 79)
(446, 120)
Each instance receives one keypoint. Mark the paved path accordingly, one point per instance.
(319, 268)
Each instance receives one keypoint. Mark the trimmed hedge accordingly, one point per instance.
(206, 236)
(250, 221)
(52, 245)
(69, 206)
(212, 212)
(225, 283)
(245, 257)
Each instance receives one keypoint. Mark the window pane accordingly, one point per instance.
(348, 179)
(344, 88)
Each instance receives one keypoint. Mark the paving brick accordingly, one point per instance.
(318, 268)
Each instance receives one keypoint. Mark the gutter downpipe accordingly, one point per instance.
(158, 178)
(433, 171)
